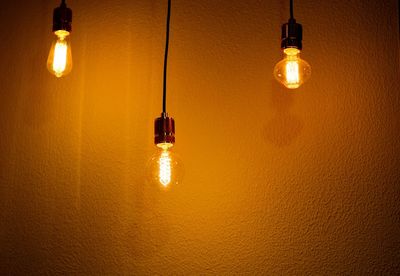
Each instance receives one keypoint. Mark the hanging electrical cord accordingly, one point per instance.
(164, 126)
(291, 9)
(164, 105)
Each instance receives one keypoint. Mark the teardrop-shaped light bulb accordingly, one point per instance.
(59, 61)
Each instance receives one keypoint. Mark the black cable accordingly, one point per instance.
(165, 60)
(291, 9)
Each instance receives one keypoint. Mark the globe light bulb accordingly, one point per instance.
(292, 71)
(59, 61)
(165, 168)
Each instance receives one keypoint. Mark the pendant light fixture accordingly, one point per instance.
(59, 61)
(292, 71)
(165, 167)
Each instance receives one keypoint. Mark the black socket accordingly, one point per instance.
(62, 18)
(292, 35)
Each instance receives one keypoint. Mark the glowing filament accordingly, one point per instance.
(292, 73)
(60, 57)
(164, 168)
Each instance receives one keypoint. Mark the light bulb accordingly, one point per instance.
(165, 167)
(59, 62)
(292, 71)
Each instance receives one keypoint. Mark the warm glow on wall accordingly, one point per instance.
(275, 181)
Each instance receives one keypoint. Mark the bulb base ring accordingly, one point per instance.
(62, 18)
(164, 129)
(292, 35)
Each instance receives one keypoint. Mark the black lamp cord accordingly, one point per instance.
(291, 10)
(164, 107)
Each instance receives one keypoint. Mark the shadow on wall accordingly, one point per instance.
(284, 127)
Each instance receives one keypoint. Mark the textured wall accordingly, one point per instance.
(276, 181)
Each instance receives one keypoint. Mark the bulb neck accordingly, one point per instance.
(292, 35)
(62, 18)
(61, 34)
(165, 146)
(291, 53)
(164, 131)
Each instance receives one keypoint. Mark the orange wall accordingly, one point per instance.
(276, 181)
